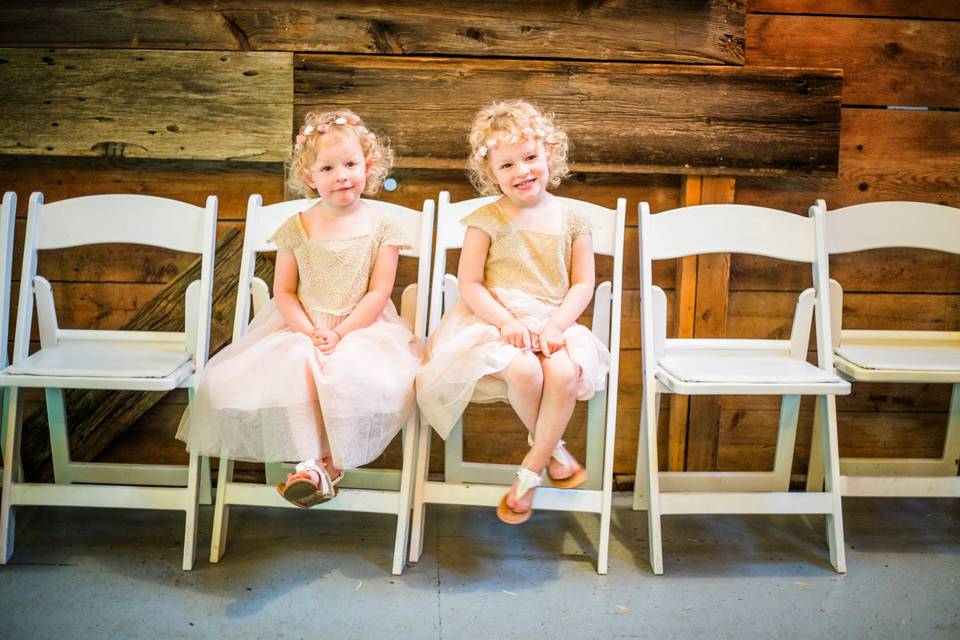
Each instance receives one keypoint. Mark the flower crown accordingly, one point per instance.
(492, 143)
(324, 128)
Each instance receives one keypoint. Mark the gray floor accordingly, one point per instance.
(81, 573)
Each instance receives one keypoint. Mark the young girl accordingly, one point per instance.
(526, 274)
(325, 373)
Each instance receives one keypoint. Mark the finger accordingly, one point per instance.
(526, 339)
(544, 346)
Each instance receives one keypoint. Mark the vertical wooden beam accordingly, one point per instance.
(690, 194)
(710, 321)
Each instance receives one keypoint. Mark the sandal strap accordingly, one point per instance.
(528, 480)
(560, 453)
(325, 486)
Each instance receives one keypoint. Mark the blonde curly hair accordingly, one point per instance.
(376, 150)
(510, 121)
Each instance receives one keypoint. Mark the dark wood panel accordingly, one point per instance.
(202, 105)
(620, 118)
(700, 31)
(884, 155)
(877, 8)
(885, 62)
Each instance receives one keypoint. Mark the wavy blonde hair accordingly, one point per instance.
(510, 121)
(376, 150)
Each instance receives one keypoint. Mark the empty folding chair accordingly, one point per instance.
(483, 484)
(99, 359)
(898, 356)
(365, 490)
(736, 367)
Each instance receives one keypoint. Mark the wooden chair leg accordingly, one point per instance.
(815, 464)
(603, 548)
(831, 457)
(59, 438)
(221, 510)
(420, 473)
(650, 403)
(11, 463)
(206, 484)
(403, 500)
(640, 474)
(192, 500)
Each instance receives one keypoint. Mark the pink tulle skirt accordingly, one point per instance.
(465, 350)
(266, 397)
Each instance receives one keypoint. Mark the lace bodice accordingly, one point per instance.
(530, 261)
(335, 274)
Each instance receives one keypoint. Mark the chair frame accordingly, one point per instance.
(364, 490)
(735, 229)
(483, 484)
(8, 215)
(878, 225)
(97, 220)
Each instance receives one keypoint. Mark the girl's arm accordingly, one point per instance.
(582, 282)
(285, 278)
(371, 305)
(473, 257)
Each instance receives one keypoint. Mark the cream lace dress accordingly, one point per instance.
(528, 272)
(267, 397)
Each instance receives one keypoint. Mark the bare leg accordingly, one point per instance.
(524, 378)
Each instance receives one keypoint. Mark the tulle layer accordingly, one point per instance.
(266, 397)
(465, 350)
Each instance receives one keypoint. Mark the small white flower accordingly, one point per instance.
(308, 129)
(482, 152)
(340, 121)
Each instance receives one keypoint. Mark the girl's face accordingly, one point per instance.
(521, 170)
(339, 171)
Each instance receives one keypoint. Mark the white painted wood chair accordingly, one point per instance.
(8, 214)
(99, 359)
(365, 490)
(482, 484)
(737, 367)
(898, 356)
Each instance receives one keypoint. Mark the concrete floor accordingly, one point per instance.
(94, 573)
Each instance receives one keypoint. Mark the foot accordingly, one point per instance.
(516, 506)
(563, 469)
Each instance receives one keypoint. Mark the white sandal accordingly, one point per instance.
(528, 480)
(305, 493)
(564, 457)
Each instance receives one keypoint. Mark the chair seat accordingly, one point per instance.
(904, 358)
(100, 362)
(748, 369)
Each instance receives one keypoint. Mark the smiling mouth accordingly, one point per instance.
(524, 183)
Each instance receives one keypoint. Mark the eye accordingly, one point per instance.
(326, 167)
(506, 165)
(352, 163)
(531, 157)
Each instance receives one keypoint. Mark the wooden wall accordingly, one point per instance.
(668, 102)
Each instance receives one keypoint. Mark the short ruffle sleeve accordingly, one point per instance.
(391, 234)
(289, 236)
(579, 224)
(487, 219)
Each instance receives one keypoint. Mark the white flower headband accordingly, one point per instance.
(323, 128)
(492, 143)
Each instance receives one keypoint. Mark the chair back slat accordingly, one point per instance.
(122, 218)
(878, 225)
(729, 228)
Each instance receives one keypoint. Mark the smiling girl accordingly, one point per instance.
(526, 274)
(325, 374)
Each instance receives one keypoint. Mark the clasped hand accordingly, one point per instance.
(324, 339)
(546, 342)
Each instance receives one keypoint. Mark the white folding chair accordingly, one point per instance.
(908, 357)
(741, 367)
(364, 490)
(482, 484)
(99, 359)
(8, 214)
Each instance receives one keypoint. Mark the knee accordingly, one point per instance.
(560, 372)
(525, 373)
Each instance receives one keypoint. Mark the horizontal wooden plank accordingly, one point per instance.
(201, 105)
(620, 118)
(704, 31)
(885, 62)
(884, 155)
(875, 8)
(187, 180)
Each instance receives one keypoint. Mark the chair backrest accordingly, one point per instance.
(122, 218)
(8, 214)
(263, 221)
(608, 230)
(734, 228)
(878, 225)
